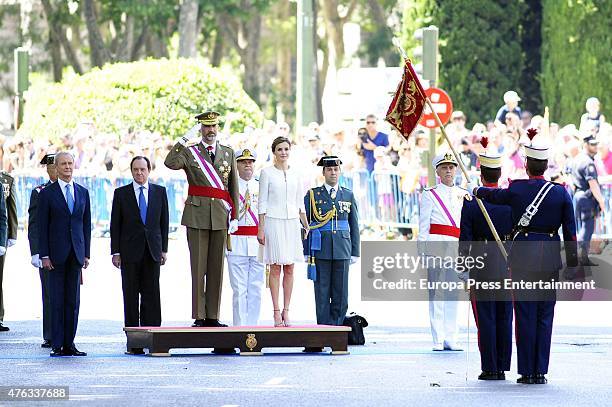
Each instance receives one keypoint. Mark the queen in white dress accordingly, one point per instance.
(281, 210)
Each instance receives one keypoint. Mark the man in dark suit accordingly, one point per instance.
(64, 227)
(49, 161)
(333, 243)
(139, 243)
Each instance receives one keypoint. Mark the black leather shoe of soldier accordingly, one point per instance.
(56, 352)
(3, 328)
(488, 375)
(585, 261)
(73, 351)
(198, 323)
(46, 344)
(214, 323)
(526, 379)
(501, 375)
(540, 379)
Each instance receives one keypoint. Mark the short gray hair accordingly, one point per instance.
(61, 153)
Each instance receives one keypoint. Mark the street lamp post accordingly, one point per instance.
(306, 64)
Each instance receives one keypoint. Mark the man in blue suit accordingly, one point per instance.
(333, 242)
(539, 208)
(64, 247)
(492, 308)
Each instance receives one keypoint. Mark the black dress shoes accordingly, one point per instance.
(213, 323)
(585, 261)
(224, 351)
(526, 379)
(46, 344)
(73, 351)
(198, 323)
(485, 375)
(540, 379)
(55, 352)
(501, 375)
(135, 351)
(3, 328)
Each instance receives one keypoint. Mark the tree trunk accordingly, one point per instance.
(99, 53)
(252, 33)
(217, 54)
(155, 47)
(333, 30)
(138, 44)
(124, 51)
(188, 23)
(56, 55)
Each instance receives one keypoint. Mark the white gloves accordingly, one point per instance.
(305, 259)
(36, 261)
(191, 133)
(471, 187)
(354, 259)
(2, 250)
(233, 226)
(11, 242)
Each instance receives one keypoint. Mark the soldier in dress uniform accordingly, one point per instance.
(492, 308)
(49, 161)
(439, 220)
(245, 272)
(588, 200)
(539, 208)
(333, 242)
(8, 187)
(211, 211)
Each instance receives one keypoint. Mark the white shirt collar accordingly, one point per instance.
(137, 186)
(63, 184)
(329, 187)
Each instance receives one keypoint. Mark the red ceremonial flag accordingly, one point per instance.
(408, 103)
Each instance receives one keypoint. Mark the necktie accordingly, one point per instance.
(210, 152)
(142, 205)
(332, 193)
(69, 198)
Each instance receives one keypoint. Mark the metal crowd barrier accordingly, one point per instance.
(380, 198)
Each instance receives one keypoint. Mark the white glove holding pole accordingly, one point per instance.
(2, 250)
(11, 242)
(471, 187)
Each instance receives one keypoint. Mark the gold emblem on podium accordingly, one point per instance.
(251, 342)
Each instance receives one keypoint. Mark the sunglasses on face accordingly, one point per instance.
(370, 122)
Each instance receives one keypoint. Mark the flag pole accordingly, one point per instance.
(459, 161)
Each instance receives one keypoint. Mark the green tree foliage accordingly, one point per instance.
(417, 14)
(531, 42)
(480, 53)
(157, 95)
(576, 62)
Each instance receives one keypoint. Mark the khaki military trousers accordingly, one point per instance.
(207, 252)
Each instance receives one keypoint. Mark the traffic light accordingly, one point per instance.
(427, 52)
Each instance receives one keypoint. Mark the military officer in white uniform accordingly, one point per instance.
(245, 272)
(439, 220)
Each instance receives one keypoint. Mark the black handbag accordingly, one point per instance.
(356, 323)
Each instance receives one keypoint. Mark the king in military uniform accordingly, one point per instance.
(8, 188)
(333, 242)
(49, 161)
(492, 308)
(211, 211)
(539, 208)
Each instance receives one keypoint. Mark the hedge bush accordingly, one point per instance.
(157, 95)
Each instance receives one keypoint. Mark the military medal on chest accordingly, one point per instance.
(225, 169)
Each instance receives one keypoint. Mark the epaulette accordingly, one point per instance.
(40, 187)
(429, 188)
(192, 143)
(6, 174)
(346, 189)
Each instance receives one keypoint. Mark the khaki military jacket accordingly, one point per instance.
(204, 212)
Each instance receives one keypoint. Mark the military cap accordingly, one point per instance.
(208, 118)
(444, 158)
(489, 159)
(536, 150)
(329, 161)
(591, 139)
(246, 154)
(48, 159)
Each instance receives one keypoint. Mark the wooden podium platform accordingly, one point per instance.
(249, 340)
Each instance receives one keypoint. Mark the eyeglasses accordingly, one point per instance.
(370, 122)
